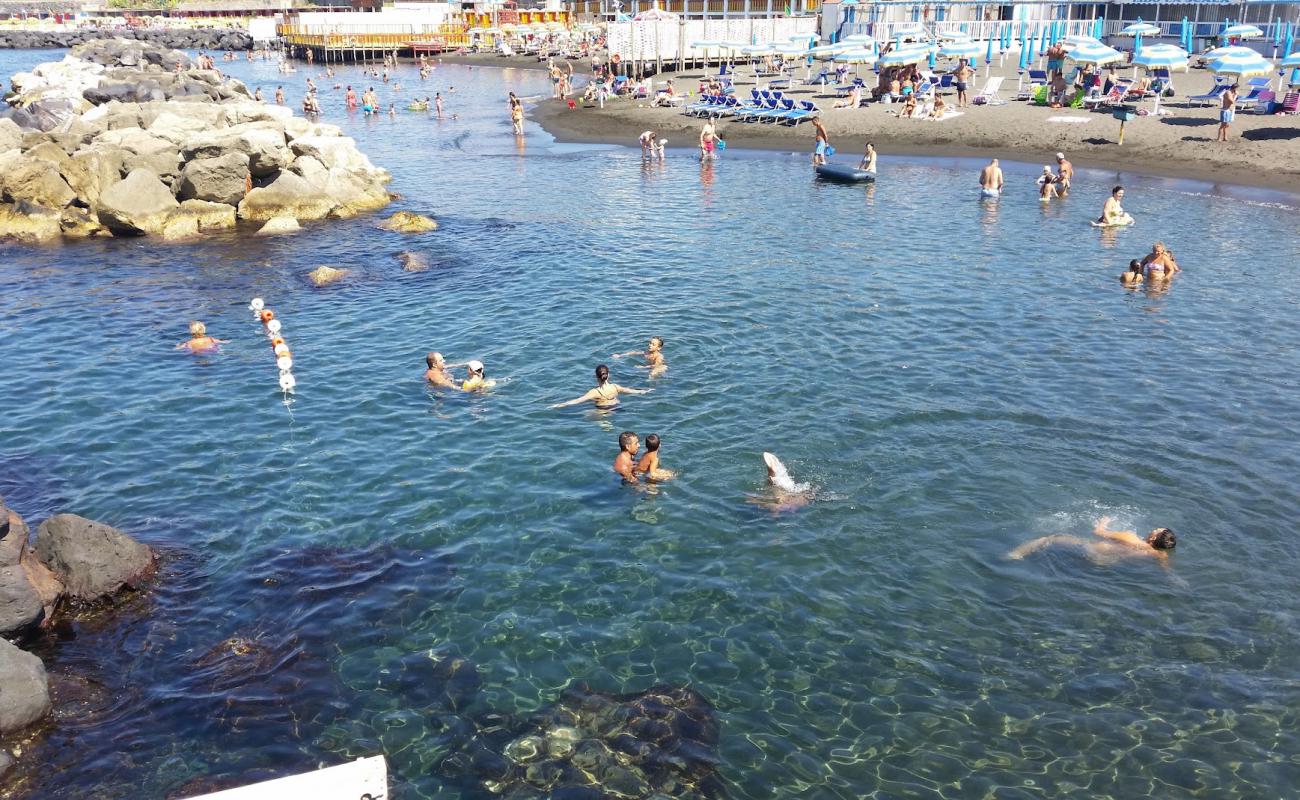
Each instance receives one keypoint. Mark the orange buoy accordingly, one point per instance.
(267, 315)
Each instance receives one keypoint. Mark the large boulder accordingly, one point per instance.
(208, 216)
(10, 135)
(92, 170)
(144, 150)
(78, 223)
(137, 204)
(278, 226)
(36, 182)
(28, 590)
(324, 276)
(24, 689)
(337, 151)
(92, 559)
(262, 142)
(220, 180)
(28, 223)
(409, 222)
(287, 196)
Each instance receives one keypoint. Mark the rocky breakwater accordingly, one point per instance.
(73, 563)
(182, 38)
(122, 138)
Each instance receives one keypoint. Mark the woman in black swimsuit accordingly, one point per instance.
(606, 393)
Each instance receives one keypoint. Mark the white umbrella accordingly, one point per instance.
(1139, 29)
(753, 51)
(1242, 31)
(1161, 56)
(953, 36)
(1080, 40)
(1094, 54)
(913, 54)
(1232, 49)
(856, 57)
(912, 32)
(960, 49)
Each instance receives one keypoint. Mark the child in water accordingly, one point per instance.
(653, 355)
(1134, 275)
(628, 444)
(200, 341)
(649, 463)
(474, 380)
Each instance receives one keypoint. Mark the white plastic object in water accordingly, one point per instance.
(257, 304)
(282, 349)
(284, 363)
(365, 777)
(273, 326)
(287, 381)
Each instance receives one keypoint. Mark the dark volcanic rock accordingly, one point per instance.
(24, 690)
(90, 558)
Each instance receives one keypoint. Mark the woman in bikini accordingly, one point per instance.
(606, 393)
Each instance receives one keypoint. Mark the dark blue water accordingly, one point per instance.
(954, 377)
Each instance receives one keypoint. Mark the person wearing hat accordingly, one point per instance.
(474, 381)
(1064, 172)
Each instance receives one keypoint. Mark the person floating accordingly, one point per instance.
(1110, 546)
(200, 341)
(991, 180)
(1112, 212)
(606, 393)
(648, 465)
(653, 355)
(624, 465)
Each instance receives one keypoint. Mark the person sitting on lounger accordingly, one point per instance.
(853, 100)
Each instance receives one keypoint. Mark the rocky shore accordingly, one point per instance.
(125, 138)
(72, 563)
(179, 38)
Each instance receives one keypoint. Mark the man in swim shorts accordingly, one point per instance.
(708, 140)
(823, 142)
(1227, 112)
(960, 77)
(991, 179)
(1064, 174)
(624, 465)
(1112, 546)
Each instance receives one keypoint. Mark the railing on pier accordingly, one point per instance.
(361, 38)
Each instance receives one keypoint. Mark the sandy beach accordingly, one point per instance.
(1263, 150)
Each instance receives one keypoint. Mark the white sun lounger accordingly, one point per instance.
(990, 92)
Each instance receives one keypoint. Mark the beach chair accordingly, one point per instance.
(806, 111)
(1037, 78)
(820, 78)
(1252, 97)
(1220, 86)
(945, 82)
(989, 94)
(1267, 99)
(1290, 104)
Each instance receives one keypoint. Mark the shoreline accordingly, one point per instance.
(1271, 163)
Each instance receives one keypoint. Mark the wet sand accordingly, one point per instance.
(1263, 150)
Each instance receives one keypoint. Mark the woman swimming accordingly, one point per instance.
(606, 393)
(200, 341)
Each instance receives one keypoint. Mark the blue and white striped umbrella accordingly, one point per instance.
(1242, 31)
(754, 50)
(1292, 60)
(1241, 64)
(1139, 28)
(913, 54)
(1080, 39)
(911, 32)
(827, 50)
(959, 49)
(1094, 54)
(791, 50)
(1230, 50)
(856, 57)
(1161, 56)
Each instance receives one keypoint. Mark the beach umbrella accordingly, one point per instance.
(1098, 54)
(904, 56)
(1241, 65)
(1229, 50)
(953, 36)
(910, 32)
(1292, 60)
(988, 59)
(1139, 28)
(1042, 44)
(861, 56)
(1161, 56)
(959, 49)
(1080, 39)
(1289, 47)
(1186, 35)
(1242, 31)
(1024, 57)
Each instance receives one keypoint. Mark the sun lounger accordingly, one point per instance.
(989, 94)
(806, 111)
(1209, 97)
(1037, 79)
(1290, 104)
(1251, 99)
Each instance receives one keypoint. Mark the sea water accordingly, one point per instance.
(951, 376)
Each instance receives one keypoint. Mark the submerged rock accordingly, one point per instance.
(324, 276)
(92, 559)
(413, 262)
(409, 222)
(24, 689)
(279, 225)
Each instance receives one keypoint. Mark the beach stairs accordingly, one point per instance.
(365, 777)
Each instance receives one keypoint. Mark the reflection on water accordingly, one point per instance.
(387, 568)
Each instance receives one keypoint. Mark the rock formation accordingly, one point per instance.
(408, 222)
(324, 276)
(181, 38)
(413, 262)
(24, 689)
(121, 135)
(92, 559)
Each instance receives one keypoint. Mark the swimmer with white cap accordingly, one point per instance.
(474, 380)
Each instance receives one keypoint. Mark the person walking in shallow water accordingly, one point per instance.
(823, 142)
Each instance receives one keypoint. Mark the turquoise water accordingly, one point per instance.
(953, 376)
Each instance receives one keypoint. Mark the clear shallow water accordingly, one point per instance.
(955, 377)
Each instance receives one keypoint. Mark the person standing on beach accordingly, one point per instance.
(823, 143)
(960, 78)
(991, 179)
(1064, 173)
(1227, 112)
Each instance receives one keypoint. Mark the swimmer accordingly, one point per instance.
(1046, 184)
(868, 162)
(474, 380)
(1111, 547)
(1133, 277)
(1159, 264)
(628, 444)
(991, 179)
(653, 355)
(1112, 213)
(606, 393)
(649, 463)
(785, 494)
(200, 341)
(438, 374)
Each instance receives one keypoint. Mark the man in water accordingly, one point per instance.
(823, 142)
(1112, 546)
(1064, 174)
(437, 373)
(649, 140)
(1113, 213)
(708, 140)
(624, 465)
(991, 179)
(653, 355)
(649, 463)
(279, 95)
(1227, 111)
